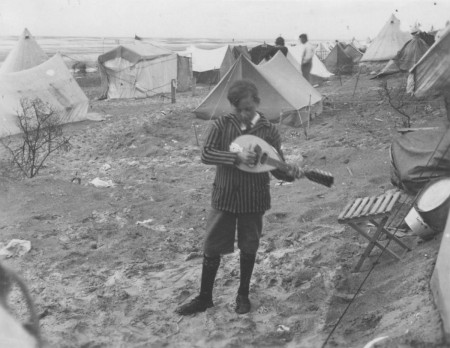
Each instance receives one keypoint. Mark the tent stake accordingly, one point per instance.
(172, 90)
(309, 117)
(195, 132)
(356, 84)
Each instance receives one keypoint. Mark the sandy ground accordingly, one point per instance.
(101, 279)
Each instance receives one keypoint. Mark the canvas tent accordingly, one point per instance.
(387, 43)
(351, 51)
(25, 54)
(27, 73)
(359, 45)
(417, 157)
(319, 72)
(238, 50)
(338, 62)
(51, 82)
(281, 87)
(406, 58)
(209, 65)
(141, 70)
(431, 74)
(322, 51)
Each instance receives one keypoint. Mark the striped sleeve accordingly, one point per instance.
(212, 150)
(275, 141)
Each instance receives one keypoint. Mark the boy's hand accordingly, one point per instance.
(296, 172)
(247, 157)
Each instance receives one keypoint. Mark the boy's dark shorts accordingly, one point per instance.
(221, 230)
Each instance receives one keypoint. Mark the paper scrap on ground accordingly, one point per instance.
(97, 182)
(16, 247)
(145, 223)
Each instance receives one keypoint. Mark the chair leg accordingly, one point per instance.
(393, 237)
(373, 241)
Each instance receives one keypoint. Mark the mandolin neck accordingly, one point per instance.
(278, 164)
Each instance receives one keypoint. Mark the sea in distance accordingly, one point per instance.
(87, 49)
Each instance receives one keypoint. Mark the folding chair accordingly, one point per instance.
(376, 210)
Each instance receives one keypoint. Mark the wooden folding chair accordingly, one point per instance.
(376, 210)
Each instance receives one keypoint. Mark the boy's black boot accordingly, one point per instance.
(247, 262)
(203, 301)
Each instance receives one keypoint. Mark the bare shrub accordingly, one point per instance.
(42, 135)
(398, 99)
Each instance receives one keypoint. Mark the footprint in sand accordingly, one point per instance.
(277, 217)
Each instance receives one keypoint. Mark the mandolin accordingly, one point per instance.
(268, 159)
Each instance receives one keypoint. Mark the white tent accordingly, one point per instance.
(322, 50)
(24, 55)
(284, 92)
(51, 82)
(388, 42)
(203, 59)
(209, 66)
(141, 70)
(318, 69)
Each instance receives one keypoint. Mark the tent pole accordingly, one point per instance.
(447, 105)
(356, 84)
(309, 117)
(172, 90)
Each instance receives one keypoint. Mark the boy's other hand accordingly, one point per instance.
(247, 157)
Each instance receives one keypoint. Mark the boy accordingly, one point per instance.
(239, 199)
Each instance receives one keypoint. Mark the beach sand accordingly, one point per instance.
(101, 279)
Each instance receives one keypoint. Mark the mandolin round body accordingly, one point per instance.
(258, 145)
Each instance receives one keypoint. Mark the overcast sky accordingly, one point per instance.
(239, 19)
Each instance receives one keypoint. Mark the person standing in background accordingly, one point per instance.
(308, 54)
(279, 46)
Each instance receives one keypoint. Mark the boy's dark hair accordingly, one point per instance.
(279, 41)
(242, 89)
(303, 36)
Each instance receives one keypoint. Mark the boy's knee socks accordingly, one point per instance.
(209, 271)
(247, 262)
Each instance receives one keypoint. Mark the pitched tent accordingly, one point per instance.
(319, 72)
(353, 52)
(26, 54)
(406, 58)
(51, 82)
(209, 65)
(387, 43)
(359, 45)
(141, 70)
(282, 90)
(322, 51)
(338, 62)
(238, 50)
(431, 74)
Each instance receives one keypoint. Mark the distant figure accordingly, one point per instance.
(279, 46)
(308, 54)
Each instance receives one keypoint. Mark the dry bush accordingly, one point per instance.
(399, 100)
(42, 134)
